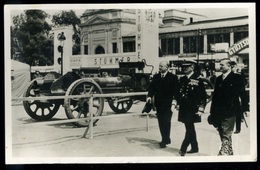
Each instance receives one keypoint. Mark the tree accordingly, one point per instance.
(30, 35)
(67, 18)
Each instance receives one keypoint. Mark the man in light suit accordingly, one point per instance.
(225, 102)
(163, 88)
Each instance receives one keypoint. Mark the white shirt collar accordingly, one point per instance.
(164, 74)
(226, 74)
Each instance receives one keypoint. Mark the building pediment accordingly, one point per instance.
(96, 20)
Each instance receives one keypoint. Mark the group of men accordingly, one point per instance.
(190, 94)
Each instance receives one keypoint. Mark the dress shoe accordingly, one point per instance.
(237, 131)
(162, 145)
(182, 153)
(193, 151)
(168, 142)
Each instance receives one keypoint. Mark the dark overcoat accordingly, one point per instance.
(192, 95)
(225, 100)
(163, 90)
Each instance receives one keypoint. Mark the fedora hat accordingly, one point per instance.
(147, 107)
(212, 121)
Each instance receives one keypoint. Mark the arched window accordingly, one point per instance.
(99, 50)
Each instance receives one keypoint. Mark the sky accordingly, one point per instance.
(211, 10)
(220, 13)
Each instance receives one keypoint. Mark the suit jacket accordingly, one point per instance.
(191, 96)
(163, 90)
(225, 100)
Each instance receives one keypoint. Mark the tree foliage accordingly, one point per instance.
(67, 18)
(30, 36)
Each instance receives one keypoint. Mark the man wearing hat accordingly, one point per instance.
(192, 102)
(225, 103)
(163, 88)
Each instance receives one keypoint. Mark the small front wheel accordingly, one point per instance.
(121, 104)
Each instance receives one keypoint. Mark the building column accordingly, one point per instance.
(82, 44)
(231, 38)
(110, 50)
(120, 42)
(90, 43)
(181, 45)
(107, 50)
(205, 46)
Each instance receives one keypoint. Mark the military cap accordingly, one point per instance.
(187, 63)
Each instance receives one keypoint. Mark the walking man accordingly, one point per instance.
(243, 98)
(163, 88)
(225, 102)
(192, 102)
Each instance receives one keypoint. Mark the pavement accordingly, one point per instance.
(115, 140)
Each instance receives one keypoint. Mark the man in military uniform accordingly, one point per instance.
(192, 102)
(163, 88)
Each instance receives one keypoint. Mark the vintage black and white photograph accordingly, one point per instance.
(130, 83)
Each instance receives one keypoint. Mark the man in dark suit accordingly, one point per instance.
(192, 102)
(163, 88)
(243, 98)
(225, 102)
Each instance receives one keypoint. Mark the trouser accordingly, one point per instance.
(238, 121)
(225, 129)
(190, 137)
(164, 117)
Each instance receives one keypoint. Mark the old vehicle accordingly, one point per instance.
(129, 79)
(85, 74)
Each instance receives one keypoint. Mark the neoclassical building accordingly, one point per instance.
(108, 31)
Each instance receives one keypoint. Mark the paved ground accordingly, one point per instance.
(120, 139)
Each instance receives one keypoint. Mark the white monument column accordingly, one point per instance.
(205, 47)
(181, 45)
(66, 43)
(147, 38)
(231, 39)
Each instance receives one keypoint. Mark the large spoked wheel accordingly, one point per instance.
(79, 107)
(40, 110)
(120, 104)
(208, 86)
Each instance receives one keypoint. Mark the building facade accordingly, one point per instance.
(181, 35)
(108, 31)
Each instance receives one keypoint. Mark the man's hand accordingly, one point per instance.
(247, 114)
(148, 100)
(199, 113)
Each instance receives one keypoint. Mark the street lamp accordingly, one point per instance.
(61, 37)
(198, 49)
(198, 44)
